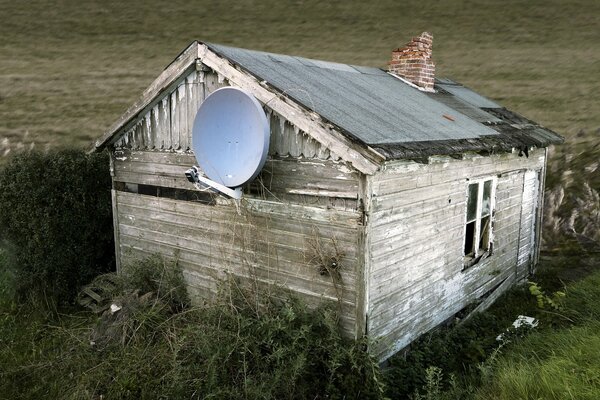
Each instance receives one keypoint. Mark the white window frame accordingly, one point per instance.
(479, 253)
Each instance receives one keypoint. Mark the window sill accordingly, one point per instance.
(470, 261)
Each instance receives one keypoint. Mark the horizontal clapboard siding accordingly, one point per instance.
(288, 177)
(416, 237)
(266, 242)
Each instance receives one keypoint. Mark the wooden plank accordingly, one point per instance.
(155, 180)
(155, 127)
(168, 158)
(309, 177)
(164, 124)
(115, 214)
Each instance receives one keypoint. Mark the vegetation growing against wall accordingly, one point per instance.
(148, 343)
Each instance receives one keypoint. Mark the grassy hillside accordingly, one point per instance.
(68, 69)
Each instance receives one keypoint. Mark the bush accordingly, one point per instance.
(55, 213)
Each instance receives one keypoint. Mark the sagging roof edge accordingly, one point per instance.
(504, 142)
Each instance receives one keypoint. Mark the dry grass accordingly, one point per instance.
(68, 69)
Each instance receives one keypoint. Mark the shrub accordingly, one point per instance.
(55, 212)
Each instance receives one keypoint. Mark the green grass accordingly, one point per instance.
(564, 364)
(68, 70)
(559, 363)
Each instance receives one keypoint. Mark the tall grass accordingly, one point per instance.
(557, 360)
(158, 346)
(559, 365)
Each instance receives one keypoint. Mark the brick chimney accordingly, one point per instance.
(413, 62)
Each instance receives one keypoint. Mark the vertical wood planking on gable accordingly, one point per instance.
(200, 87)
(175, 111)
(193, 103)
(154, 127)
(163, 134)
(213, 82)
(168, 125)
(288, 140)
(146, 130)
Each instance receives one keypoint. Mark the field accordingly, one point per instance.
(69, 69)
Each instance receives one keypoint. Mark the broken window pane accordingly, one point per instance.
(472, 202)
(487, 192)
(470, 239)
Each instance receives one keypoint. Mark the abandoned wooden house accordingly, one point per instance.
(402, 197)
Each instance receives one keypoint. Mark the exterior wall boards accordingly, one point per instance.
(298, 217)
(416, 273)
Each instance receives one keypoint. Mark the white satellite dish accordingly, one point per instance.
(230, 139)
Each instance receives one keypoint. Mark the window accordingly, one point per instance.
(478, 229)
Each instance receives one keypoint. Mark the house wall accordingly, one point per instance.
(415, 235)
(301, 212)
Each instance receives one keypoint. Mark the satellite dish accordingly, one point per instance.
(230, 138)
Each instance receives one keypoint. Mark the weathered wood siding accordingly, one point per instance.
(305, 212)
(415, 239)
(169, 123)
(304, 200)
(528, 221)
(267, 242)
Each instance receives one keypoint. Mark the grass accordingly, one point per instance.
(67, 71)
(556, 364)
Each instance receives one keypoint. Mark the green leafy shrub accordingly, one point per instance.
(543, 300)
(55, 212)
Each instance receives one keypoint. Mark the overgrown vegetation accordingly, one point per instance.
(572, 201)
(468, 361)
(55, 214)
(148, 342)
(67, 72)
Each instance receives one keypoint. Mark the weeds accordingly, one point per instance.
(553, 301)
(154, 344)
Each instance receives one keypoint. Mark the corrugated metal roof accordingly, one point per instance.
(467, 94)
(464, 107)
(366, 103)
